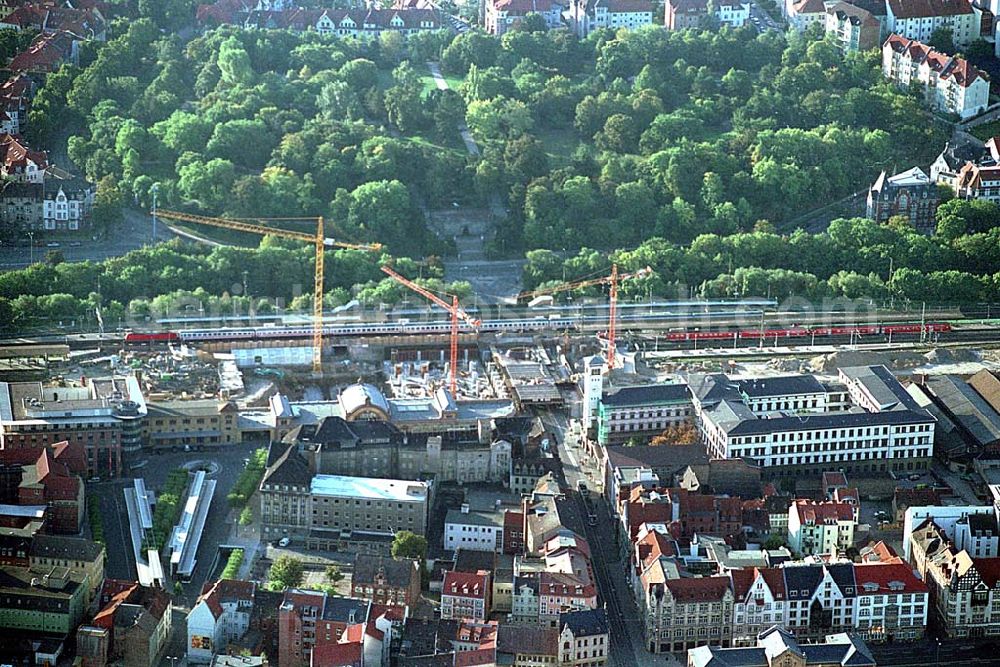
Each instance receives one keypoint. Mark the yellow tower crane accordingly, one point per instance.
(317, 238)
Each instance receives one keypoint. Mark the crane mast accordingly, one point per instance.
(612, 280)
(453, 309)
(317, 239)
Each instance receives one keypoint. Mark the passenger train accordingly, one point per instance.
(552, 322)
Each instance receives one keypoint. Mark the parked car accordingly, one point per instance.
(284, 542)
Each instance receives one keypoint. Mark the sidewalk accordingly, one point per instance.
(463, 129)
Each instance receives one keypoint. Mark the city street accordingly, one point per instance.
(761, 20)
(136, 232)
(627, 648)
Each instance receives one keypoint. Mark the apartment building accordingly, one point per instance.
(502, 15)
(641, 412)
(854, 28)
(788, 428)
(35, 416)
(386, 581)
(82, 558)
(816, 528)
(40, 602)
(466, 595)
(680, 614)
(49, 477)
(310, 618)
(917, 20)
(965, 590)
(680, 14)
(220, 616)
(139, 620)
(951, 85)
(196, 424)
(66, 204)
(584, 638)
(586, 16)
(366, 446)
(978, 181)
(284, 494)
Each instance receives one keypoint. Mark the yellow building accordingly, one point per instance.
(197, 424)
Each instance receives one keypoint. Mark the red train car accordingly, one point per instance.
(158, 337)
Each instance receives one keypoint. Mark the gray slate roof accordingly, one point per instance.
(648, 394)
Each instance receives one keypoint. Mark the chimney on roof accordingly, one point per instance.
(465, 508)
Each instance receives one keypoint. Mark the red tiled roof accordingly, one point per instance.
(653, 545)
(947, 67)
(45, 52)
(466, 584)
(698, 589)
(908, 9)
(744, 579)
(988, 569)
(890, 578)
(809, 7)
(393, 613)
(480, 656)
(330, 654)
(564, 584)
(27, 16)
(105, 618)
(214, 593)
(814, 513)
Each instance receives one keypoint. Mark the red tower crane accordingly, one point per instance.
(611, 280)
(456, 312)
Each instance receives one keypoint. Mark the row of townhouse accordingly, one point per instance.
(680, 14)
(682, 607)
(359, 23)
(950, 84)
(579, 639)
(971, 171)
(869, 22)
(35, 195)
(582, 17)
(957, 552)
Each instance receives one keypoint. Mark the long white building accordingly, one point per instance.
(794, 425)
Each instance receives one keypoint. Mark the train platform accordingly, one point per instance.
(791, 350)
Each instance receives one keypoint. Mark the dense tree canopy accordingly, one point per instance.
(698, 149)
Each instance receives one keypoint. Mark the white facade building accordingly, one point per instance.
(919, 20)
(593, 388)
(586, 16)
(951, 84)
(820, 528)
(220, 616)
(473, 531)
(786, 424)
(947, 518)
(66, 205)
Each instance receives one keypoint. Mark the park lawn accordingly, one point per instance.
(454, 142)
(986, 131)
(429, 84)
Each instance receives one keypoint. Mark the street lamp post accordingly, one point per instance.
(154, 190)
(31, 236)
